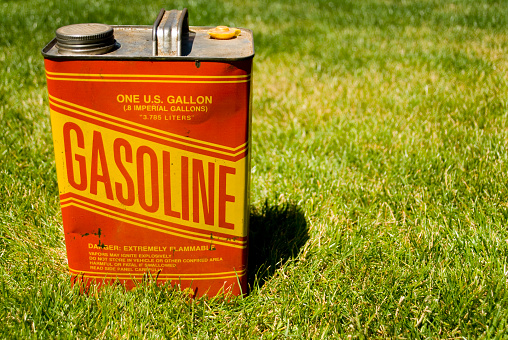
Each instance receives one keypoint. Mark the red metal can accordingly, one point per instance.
(151, 131)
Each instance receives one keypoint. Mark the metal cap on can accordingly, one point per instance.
(91, 39)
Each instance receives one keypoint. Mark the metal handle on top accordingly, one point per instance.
(168, 30)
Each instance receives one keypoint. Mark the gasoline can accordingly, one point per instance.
(151, 130)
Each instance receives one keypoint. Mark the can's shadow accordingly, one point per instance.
(277, 233)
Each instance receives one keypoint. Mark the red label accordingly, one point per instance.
(153, 170)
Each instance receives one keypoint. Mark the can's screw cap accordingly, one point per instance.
(85, 39)
(224, 32)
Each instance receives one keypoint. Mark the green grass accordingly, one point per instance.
(379, 180)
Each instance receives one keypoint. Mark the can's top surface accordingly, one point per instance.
(170, 38)
(136, 43)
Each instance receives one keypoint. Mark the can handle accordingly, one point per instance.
(168, 30)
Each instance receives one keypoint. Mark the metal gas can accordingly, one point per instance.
(151, 130)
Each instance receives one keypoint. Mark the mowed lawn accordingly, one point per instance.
(379, 176)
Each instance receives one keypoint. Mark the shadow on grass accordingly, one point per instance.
(277, 233)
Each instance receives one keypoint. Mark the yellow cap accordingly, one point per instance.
(224, 32)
